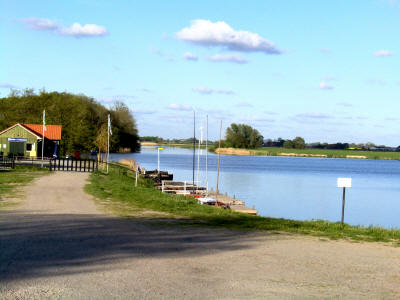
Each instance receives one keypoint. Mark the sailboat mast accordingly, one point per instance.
(194, 143)
(219, 157)
(198, 156)
(207, 154)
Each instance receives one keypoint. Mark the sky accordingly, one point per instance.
(327, 71)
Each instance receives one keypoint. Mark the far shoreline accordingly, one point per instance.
(311, 153)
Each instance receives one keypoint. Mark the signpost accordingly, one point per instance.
(344, 183)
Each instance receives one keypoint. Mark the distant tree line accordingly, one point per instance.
(160, 140)
(83, 120)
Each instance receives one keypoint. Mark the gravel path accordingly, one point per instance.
(59, 245)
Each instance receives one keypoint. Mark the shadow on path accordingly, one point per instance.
(36, 245)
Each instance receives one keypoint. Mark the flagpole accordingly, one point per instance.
(44, 125)
(108, 140)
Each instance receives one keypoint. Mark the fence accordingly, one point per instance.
(7, 163)
(73, 165)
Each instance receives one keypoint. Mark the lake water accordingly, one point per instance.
(294, 187)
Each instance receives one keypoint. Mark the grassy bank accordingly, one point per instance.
(11, 182)
(271, 151)
(119, 189)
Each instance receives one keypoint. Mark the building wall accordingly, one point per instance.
(18, 132)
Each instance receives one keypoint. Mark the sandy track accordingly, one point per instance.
(59, 245)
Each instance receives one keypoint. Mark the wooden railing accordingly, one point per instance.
(72, 164)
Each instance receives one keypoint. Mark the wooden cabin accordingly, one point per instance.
(26, 140)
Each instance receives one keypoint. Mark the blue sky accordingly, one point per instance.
(326, 71)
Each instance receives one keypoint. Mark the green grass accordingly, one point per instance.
(274, 151)
(12, 180)
(119, 189)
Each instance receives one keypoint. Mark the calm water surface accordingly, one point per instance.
(294, 187)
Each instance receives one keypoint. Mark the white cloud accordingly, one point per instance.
(383, 53)
(312, 115)
(7, 86)
(220, 34)
(234, 58)
(87, 30)
(324, 50)
(161, 54)
(257, 119)
(40, 24)
(244, 104)
(345, 104)
(76, 29)
(181, 107)
(375, 82)
(144, 90)
(268, 112)
(324, 86)
(144, 111)
(190, 56)
(208, 91)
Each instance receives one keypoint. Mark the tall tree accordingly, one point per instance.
(81, 117)
(243, 136)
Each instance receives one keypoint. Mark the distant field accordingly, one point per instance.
(329, 153)
(275, 151)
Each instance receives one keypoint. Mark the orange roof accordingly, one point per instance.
(53, 132)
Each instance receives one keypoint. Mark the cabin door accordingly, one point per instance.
(17, 148)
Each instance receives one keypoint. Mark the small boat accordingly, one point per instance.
(206, 200)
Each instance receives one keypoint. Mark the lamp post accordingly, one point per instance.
(158, 159)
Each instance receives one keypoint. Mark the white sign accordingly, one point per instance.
(344, 182)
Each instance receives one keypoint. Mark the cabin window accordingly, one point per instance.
(28, 147)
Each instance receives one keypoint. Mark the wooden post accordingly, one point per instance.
(84, 165)
(343, 203)
(137, 174)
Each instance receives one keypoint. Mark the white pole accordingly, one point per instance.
(158, 160)
(44, 125)
(44, 116)
(108, 140)
(207, 155)
(136, 179)
(198, 156)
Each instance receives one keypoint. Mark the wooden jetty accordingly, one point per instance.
(157, 176)
(188, 189)
(164, 182)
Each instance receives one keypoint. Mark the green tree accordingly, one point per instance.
(299, 143)
(81, 117)
(288, 144)
(243, 136)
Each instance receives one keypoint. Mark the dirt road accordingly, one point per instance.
(58, 244)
